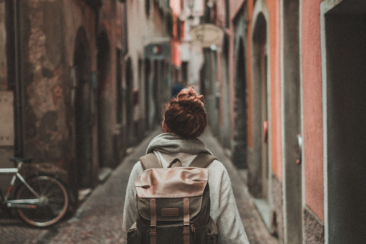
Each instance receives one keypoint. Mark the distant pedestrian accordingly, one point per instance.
(178, 146)
(177, 88)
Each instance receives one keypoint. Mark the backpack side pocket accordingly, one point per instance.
(211, 232)
(132, 234)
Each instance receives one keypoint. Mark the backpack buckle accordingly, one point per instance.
(152, 230)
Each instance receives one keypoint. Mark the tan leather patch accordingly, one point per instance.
(169, 212)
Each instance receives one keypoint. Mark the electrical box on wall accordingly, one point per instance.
(6, 118)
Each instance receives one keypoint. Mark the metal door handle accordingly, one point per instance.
(300, 142)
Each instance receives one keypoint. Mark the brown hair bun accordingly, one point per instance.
(185, 115)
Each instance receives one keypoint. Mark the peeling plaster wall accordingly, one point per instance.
(47, 49)
(43, 72)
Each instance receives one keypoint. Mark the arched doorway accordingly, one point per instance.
(259, 173)
(225, 128)
(82, 112)
(129, 104)
(105, 147)
(240, 132)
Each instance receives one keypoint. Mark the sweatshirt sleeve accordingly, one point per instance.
(230, 226)
(130, 208)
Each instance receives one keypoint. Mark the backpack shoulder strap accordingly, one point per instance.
(150, 161)
(202, 160)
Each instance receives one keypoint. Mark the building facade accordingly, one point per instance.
(286, 84)
(72, 84)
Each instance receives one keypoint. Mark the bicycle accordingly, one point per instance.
(41, 200)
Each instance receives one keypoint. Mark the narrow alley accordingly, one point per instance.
(99, 218)
(83, 84)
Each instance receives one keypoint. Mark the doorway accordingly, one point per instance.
(240, 134)
(345, 135)
(129, 104)
(82, 112)
(259, 172)
(104, 103)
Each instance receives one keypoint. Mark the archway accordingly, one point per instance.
(225, 127)
(129, 104)
(105, 147)
(259, 169)
(82, 109)
(240, 133)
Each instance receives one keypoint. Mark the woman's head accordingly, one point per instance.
(185, 115)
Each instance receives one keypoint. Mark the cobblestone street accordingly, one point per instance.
(99, 218)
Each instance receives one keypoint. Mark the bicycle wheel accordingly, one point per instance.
(53, 200)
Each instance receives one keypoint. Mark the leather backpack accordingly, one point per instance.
(173, 203)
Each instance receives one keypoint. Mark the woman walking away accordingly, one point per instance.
(179, 192)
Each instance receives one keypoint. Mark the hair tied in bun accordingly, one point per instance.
(185, 115)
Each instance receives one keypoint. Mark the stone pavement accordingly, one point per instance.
(99, 218)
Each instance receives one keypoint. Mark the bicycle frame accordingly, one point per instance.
(19, 203)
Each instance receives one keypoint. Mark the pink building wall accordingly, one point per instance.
(235, 6)
(312, 106)
(275, 49)
(274, 26)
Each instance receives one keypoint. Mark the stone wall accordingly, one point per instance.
(44, 75)
(277, 209)
(314, 229)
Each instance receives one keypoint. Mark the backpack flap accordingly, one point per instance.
(171, 183)
(169, 187)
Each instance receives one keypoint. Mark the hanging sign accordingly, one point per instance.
(157, 51)
(206, 35)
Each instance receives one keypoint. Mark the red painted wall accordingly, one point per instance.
(312, 104)
(275, 49)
